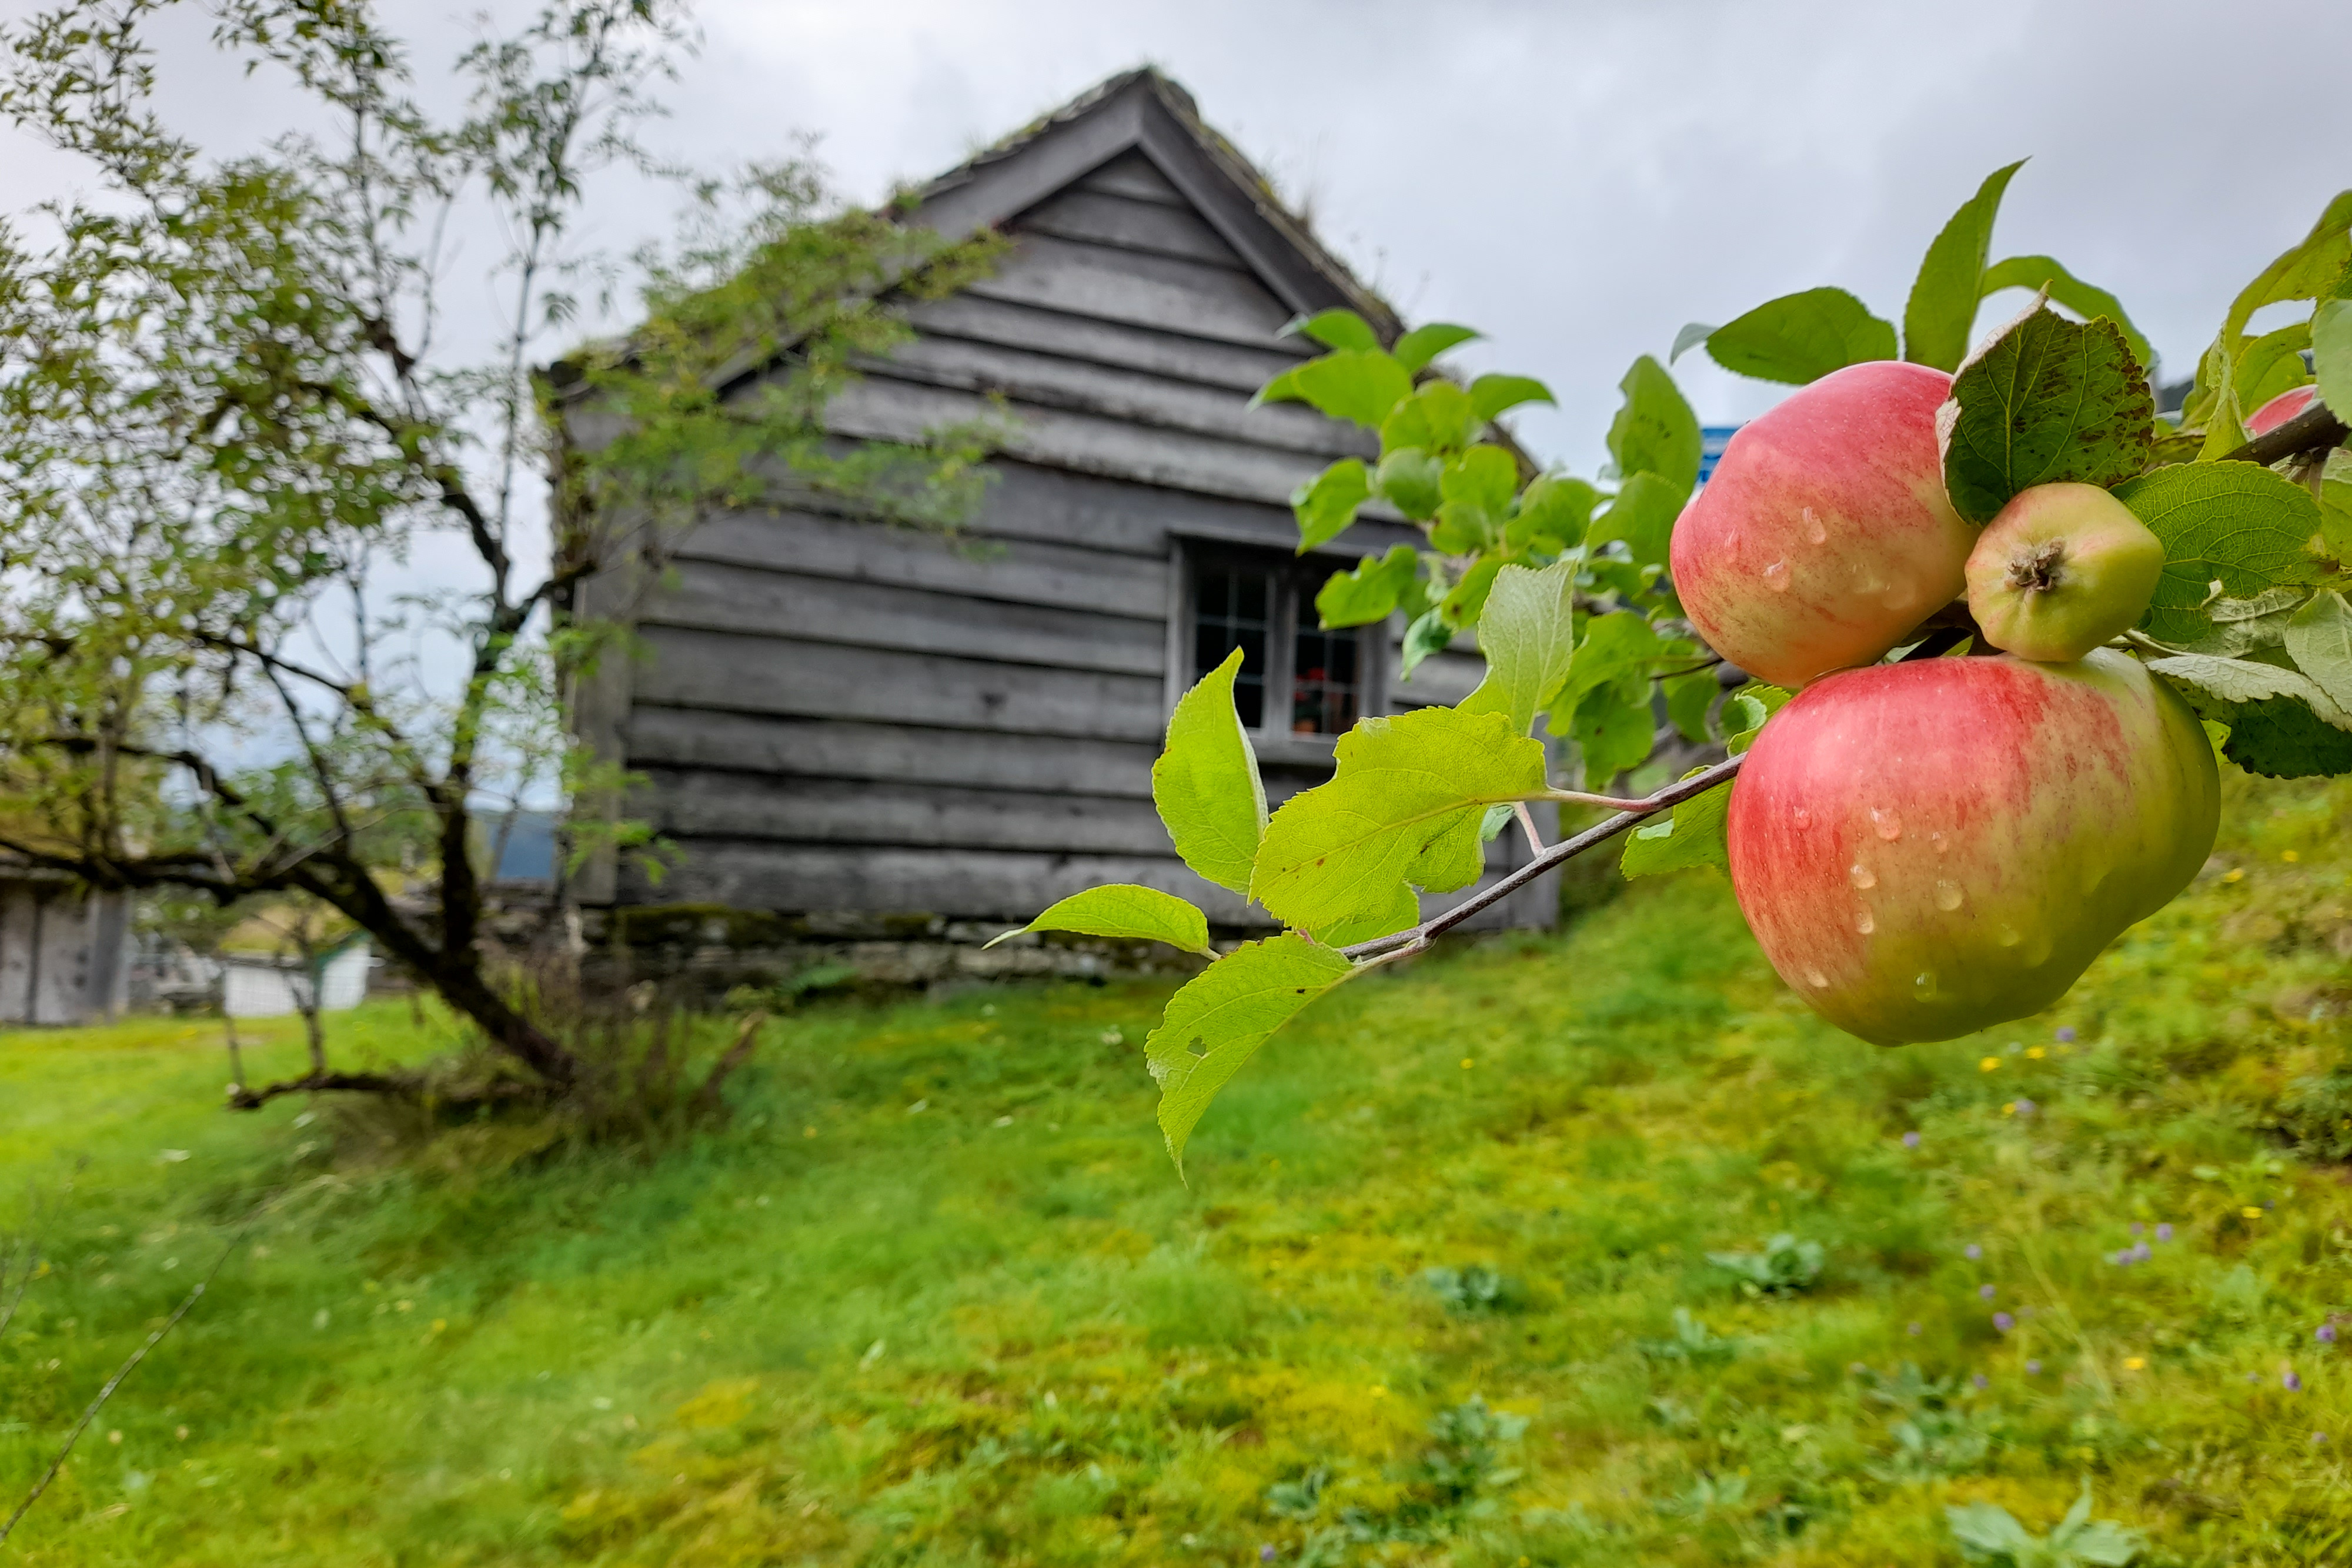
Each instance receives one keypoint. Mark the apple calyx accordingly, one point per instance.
(2036, 570)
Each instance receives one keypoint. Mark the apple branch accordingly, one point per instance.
(2314, 427)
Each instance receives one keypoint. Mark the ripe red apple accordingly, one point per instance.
(2060, 569)
(1824, 534)
(1931, 848)
(2279, 410)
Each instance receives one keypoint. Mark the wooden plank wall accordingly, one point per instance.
(837, 716)
(64, 955)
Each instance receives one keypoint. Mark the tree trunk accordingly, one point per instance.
(461, 985)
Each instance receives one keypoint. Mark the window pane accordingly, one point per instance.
(1325, 686)
(1230, 612)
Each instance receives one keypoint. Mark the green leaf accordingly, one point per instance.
(1437, 417)
(2087, 300)
(1990, 1529)
(2211, 683)
(1464, 601)
(1219, 1017)
(1128, 913)
(1327, 503)
(1689, 698)
(1408, 479)
(1359, 384)
(1615, 647)
(1336, 330)
(2336, 504)
(1483, 477)
(1693, 334)
(2305, 270)
(2234, 523)
(2318, 638)
(1491, 826)
(2045, 399)
(1656, 430)
(1554, 512)
(2283, 738)
(1613, 730)
(1800, 338)
(1490, 395)
(1943, 303)
(1206, 782)
(1429, 633)
(1403, 808)
(1283, 388)
(1642, 516)
(2271, 364)
(1691, 838)
(2331, 352)
(1744, 711)
(1423, 344)
(1528, 633)
(1367, 594)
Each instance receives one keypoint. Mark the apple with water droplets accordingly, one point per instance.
(1824, 535)
(2061, 570)
(1930, 848)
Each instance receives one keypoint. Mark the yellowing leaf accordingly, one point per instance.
(1403, 808)
(1206, 782)
(1219, 1017)
(1126, 912)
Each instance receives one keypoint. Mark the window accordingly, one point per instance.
(1296, 678)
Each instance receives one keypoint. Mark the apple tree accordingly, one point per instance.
(2206, 552)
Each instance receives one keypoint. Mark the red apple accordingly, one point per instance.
(1927, 849)
(1824, 534)
(2279, 410)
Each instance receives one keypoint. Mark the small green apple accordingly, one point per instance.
(2061, 570)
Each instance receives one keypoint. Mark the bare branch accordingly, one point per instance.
(2316, 427)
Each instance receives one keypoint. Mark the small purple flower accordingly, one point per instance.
(2033, 1369)
(1266, 1554)
(1987, 1291)
(1910, 1140)
(2319, 1436)
(1982, 1381)
(2120, 1258)
(2065, 1034)
(2026, 1107)
(1972, 1252)
(2291, 1383)
(2164, 1231)
(2137, 1228)
(1911, 1328)
(2141, 1252)
(2325, 1334)
(2003, 1322)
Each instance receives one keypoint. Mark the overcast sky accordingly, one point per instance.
(1578, 180)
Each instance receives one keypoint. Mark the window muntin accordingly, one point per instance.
(1296, 678)
(1231, 608)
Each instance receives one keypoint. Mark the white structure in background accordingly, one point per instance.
(65, 951)
(266, 989)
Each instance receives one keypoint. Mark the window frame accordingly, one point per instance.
(1297, 579)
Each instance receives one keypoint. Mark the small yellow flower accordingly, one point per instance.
(2251, 1211)
(2134, 1364)
(2010, 1109)
(2235, 874)
(2036, 1052)
(1380, 1391)
(1989, 1064)
(1466, 1064)
(2290, 857)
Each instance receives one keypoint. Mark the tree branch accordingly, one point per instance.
(244, 1099)
(2315, 426)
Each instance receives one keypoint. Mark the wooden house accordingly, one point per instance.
(841, 721)
(65, 950)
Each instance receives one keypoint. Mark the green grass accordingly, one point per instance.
(934, 1296)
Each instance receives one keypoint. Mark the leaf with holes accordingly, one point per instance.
(1125, 912)
(2231, 523)
(1206, 782)
(2045, 400)
(1217, 1021)
(1403, 808)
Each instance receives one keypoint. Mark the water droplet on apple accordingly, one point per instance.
(1888, 822)
(1801, 817)
(1943, 845)
(1775, 577)
(2008, 935)
(1923, 984)
(1947, 896)
(1814, 531)
(1863, 920)
(1816, 979)
(1863, 877)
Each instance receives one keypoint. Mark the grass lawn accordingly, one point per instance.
(934, 1295)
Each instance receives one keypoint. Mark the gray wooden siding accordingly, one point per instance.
(832, 715)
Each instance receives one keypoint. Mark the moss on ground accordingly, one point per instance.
(934, 1296)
